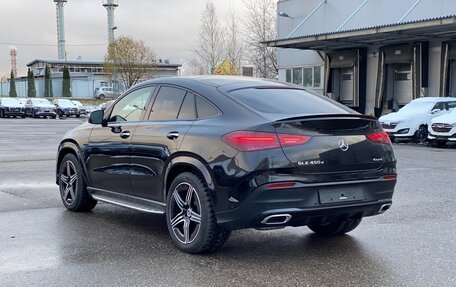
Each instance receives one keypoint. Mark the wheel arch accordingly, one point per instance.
(186, 163)
(69, 146)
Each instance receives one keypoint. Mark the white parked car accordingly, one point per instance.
(443, 129)
(412, 121)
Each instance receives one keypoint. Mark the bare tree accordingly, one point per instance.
(234, 42)
(261, 26)
(130, 60)
(209, 48)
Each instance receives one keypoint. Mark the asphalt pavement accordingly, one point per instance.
(42, 244)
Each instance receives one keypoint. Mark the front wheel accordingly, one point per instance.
(190, 216)
(335, 228)
(73, 190)
(420, 135)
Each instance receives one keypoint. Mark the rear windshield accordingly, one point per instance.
(288, 102)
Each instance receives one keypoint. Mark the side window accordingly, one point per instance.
(167, 104)
(439, 106)
(205, 109)
(451, 105)
(131, 107)
(187, 110)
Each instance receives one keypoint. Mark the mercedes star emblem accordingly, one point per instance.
(343, 144)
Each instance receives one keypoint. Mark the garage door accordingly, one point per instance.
(403, 84)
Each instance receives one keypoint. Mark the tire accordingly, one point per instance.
(54, 117)
(437, 144)
(189, 207)
(72, 187)
(420, 135)
(78, 116)
(101, 97)
(335, 228)
(23, 117)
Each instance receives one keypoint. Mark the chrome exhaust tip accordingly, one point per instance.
(384, 208)
(276, 219)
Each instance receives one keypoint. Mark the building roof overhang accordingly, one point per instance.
(443, 28)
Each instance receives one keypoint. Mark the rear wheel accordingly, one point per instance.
(101, 97)
(190, 216)
(420, 135)
(73, 189)
(335, 228)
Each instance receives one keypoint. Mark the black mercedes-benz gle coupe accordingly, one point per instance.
(215, 154)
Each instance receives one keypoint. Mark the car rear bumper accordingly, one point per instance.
(303, 204)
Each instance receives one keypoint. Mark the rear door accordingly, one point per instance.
(155, 140)
(109, 148)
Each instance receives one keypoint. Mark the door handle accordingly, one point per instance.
(173, 135)
(125, 134)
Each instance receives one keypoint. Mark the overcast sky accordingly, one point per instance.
(170, 27)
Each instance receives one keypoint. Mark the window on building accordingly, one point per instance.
(317, 77)
(297, 76)
(308, 77)
(288, 76)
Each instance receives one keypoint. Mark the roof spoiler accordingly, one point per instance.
(327, 116)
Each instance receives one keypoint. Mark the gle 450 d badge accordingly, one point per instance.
(311, 162)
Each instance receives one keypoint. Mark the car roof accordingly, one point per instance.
(434, 99)
(216, 81)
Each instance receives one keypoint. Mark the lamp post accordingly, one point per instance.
(114, 61)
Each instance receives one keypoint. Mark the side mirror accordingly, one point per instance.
(435, 111)
(97, 118)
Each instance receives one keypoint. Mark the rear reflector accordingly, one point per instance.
(390, 176)
(280, 185)
(380, 137)
(255, 141)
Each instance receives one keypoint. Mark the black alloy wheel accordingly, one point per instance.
(73, 190)
(420, 135)
(190, 216)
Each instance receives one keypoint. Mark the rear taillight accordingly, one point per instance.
(380, 137)
(254, 141)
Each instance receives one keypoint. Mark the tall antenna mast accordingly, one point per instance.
(61, 28)
(110, 6)
(13, 54)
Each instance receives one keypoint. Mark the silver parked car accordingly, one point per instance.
(82, 109)
(104, 93)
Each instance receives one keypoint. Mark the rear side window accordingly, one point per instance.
(167, 104)
(187, 110)
(205, 109)
(287, 102)
(451, 105)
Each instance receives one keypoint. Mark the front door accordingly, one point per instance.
(109, 149)
(155, 140)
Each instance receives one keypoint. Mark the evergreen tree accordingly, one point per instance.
(66, 85)
(47, 83)
(12, 92)
(31, 90)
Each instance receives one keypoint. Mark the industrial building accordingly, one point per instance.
(374, 56)
(86, 75)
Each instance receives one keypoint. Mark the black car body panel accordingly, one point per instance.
(140, 158)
